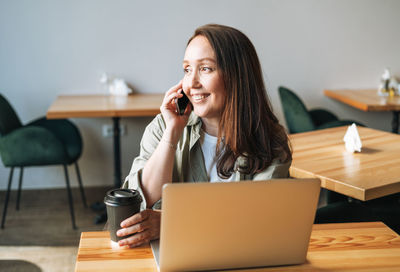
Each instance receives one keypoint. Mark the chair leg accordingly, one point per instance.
(21, 173)
(71, 207)
(3, 219)
(80, 185)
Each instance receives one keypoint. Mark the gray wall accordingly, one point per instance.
(48, 48)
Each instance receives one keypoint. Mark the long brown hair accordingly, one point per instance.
(248, 127)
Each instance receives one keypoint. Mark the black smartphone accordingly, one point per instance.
(181, 103)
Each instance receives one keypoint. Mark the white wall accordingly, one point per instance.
(48, 48)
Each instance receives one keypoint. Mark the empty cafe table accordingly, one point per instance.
(374, 172)
(92, 106)
(369, 100)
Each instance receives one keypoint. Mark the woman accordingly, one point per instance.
(228, 133)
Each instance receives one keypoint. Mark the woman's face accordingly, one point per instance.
(203, 82)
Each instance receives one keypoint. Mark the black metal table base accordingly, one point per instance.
(100, 206)
(395, 122)
(117, 152)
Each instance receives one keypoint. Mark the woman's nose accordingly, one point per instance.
(193, 80)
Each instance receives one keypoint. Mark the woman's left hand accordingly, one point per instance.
(145, 226)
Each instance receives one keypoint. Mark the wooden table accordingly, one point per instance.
(369, 100)
(91, 106)
(370, 246)
(372, 173)
(77, 106)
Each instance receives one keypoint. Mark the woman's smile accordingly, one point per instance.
(199, 98)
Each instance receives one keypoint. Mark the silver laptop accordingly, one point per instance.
(209, 226)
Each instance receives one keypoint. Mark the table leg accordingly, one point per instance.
(117, 153)
(395, 122)
(100, 206)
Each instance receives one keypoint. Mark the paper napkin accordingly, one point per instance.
(352, 139)
(119, 87)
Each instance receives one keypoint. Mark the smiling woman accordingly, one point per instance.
(228, 133)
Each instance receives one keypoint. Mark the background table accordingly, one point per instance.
(369, 100)
(368, 246)
(91, 106)
(372, 173)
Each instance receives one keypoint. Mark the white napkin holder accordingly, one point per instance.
(115, 86)
(352, 139)
(118, 87)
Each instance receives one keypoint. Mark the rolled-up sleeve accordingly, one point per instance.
(151, 137)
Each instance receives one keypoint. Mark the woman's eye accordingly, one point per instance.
(206, 69)
(186, 70)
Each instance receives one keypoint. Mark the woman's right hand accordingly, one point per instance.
(158, 169)
(174, 121)
(143, 226)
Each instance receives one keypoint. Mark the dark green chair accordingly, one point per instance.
(39, 143)
(299, 119)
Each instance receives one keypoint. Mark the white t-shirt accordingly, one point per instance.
(208, 144)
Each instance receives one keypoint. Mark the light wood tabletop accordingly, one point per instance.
(369, 100)
(81, 106)
(370, 246)
(372, 173)
(365, 100)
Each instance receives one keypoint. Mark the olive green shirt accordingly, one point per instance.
(189, 163)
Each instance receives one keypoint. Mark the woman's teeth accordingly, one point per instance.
(198, 98)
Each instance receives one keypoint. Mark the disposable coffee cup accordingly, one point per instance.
(121, 204)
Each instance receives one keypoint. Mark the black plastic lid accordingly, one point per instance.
(122, 197)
